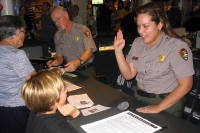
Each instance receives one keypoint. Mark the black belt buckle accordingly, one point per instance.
(145, 94)
(150, 95)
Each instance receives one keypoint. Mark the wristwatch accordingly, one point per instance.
(81, 61)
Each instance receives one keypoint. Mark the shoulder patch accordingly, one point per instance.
(87, 33)
(184, 54)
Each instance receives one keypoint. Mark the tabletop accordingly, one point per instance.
(107, 96)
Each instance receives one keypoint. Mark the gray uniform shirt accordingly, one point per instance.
(159, 68)
(73, 45)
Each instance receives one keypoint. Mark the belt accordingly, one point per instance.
(150, 95)
(84, 67)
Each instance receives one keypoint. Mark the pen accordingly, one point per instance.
(164, 127)
(61, 66)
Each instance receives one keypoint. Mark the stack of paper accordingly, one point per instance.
(125, 122)
(71, 86)
(196, 115)
(94, 109)
(80, 101)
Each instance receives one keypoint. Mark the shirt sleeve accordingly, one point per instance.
(181, 60)
(88, 39)
(22, 65)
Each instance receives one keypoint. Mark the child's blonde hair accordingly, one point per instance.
(42, 90)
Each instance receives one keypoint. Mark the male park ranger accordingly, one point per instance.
(73, 43)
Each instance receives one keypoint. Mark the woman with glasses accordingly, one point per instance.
(161, 62)
(15, 69)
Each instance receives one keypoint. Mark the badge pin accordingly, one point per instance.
(135, 58)
(184, 54)
(161, 58)
(76, 38)
(87, 33)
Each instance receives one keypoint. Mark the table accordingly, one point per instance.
(108, 96)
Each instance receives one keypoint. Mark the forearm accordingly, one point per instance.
(86, 55)
(177, 94)
(29, 76)
(124, 67)
(75, 114)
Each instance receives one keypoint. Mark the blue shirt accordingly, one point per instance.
(14, 67)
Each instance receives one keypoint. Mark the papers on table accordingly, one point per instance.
(125, 122)
(71, 87)
(94, 109)
(80, 101)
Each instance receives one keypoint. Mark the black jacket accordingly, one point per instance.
(48, 123)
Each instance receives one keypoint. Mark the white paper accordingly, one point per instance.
(125, 122)
(71, 87)
(94, 109)
(80, 101)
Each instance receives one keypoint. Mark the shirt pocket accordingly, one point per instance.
(161, 70)
(79, 48)
(64, 49)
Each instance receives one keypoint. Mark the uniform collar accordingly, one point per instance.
(68, 28)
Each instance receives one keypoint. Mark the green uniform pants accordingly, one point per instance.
(89, 72)
(176, 109)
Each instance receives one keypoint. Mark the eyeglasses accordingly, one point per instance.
(24, 31)
(57, 19)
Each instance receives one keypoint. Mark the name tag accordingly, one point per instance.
(135, 58)
(60, 43)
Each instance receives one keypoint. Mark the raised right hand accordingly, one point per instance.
(119, 42)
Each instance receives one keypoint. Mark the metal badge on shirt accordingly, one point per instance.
(184, 54)
(76, 38)
(161, 57)
(87, 33)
